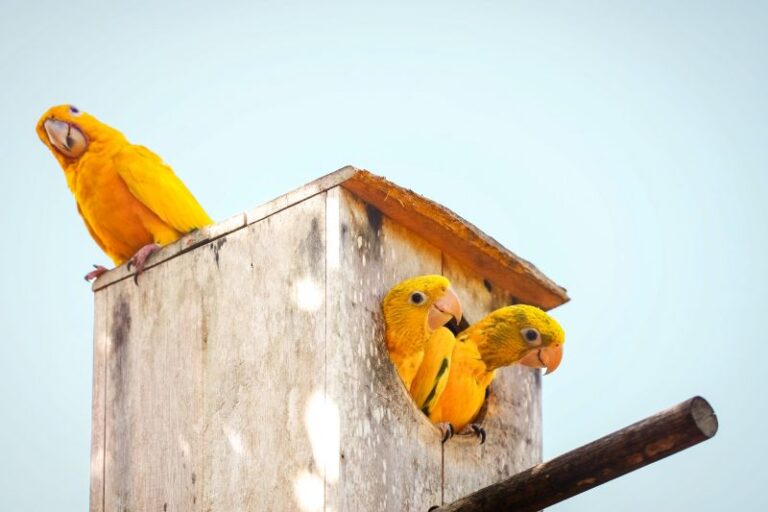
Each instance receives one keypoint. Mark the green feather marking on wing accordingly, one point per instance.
(429, 401)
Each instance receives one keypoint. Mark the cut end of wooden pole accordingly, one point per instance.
(704, 416)
(633, 447)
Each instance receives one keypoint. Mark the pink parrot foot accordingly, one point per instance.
(139, 260)
(473, 429)
(446, 431)
(94, 274)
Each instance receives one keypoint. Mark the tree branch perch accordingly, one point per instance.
(614, 455)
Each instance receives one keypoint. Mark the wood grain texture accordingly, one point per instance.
(186, 243)
(153, 393)
(98, 403)
(390, 453)
(264, 360)
(513, 410)
(600, 461)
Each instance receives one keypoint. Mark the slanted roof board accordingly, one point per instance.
(427, 219)
(458, 238)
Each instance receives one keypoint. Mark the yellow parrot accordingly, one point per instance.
(512, 334)
(131, 201)
(415, 310)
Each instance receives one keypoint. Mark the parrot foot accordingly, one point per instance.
(473, 429)
(94, 274)
(446, 429)
(139, 260)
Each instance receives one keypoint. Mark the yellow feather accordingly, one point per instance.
(126, 195)
(493, 342)
(406, 322)
(432, 376)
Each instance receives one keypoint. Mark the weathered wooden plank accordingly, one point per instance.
(98, 403)
(513, 416)
(227, 226)
(264, 358)
(153, 392)
(300, 194)
(459, 239)
(600, 461)
(250, 373)
(182, 245)
(390, 453)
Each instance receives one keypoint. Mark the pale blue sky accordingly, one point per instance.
(621, 146)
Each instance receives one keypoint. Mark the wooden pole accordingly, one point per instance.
(614, 455)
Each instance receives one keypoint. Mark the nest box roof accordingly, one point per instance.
(429, 220)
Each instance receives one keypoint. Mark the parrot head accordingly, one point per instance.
(518, 334)
(419, 305)
(69, 133)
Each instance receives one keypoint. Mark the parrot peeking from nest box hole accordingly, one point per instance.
(448, 375)
(519, 334)
(130, 200)
(415, 313)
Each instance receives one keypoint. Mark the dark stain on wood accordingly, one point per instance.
(121, 322)
(311, 250)
(216, 247)
(203, 323)
(375, 217)
(372, 235)
(488, 285)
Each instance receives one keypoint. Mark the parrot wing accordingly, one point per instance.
(154, 183)
(432, 375)
(465, 391)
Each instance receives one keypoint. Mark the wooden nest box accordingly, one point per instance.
(247, 370)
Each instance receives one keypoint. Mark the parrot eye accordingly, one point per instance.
(418, 298)
(531, 335)
(74, 110)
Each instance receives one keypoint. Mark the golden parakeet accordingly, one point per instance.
(131, 201)
(414, 310)
(512, 334)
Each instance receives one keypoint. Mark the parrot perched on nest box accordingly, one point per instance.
(513, 334)
(416, 310)
(130, 200)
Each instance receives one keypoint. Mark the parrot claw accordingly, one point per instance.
(447, 431)
(433, 507)
(473, 429)
(94, 274)
(139, 260)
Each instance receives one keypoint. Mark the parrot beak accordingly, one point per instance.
(546, 357)
(65, 137)
(443, 309)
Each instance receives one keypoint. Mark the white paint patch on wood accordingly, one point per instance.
(264, 359)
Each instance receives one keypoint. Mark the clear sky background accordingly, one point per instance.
(620, 146)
